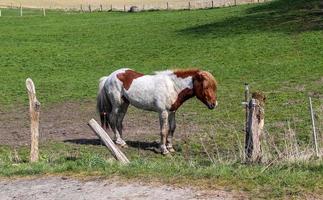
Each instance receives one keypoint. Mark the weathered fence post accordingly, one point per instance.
(111, 7)
(313, 128)
(167, 7)
(90, 9)
(256, 119)
(101, 8)
(98, 130)
(246, 98)
(212, 4)
(189, 5)
(34, 109)
(124, 8)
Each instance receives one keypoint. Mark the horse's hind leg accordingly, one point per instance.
(121, 113)
(172, 127)
(113, 119)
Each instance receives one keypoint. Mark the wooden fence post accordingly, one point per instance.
(167, 7)
(90, 8)
(313, 128)
(124, 8)
(81, 8)
(246, 97)
(189, 5)
(34, 109)
(212, 4)
(253, 152)
(101, 8)
(98, 130)
(111, 7)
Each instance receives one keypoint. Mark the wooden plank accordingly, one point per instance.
(34, 109)
(104, 137)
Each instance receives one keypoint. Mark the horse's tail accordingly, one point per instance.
(103, 103)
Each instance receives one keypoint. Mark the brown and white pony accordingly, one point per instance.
(163, 92)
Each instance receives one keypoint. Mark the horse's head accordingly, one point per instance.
(205, 88)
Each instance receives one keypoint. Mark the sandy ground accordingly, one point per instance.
(68, 122)
(67, 188)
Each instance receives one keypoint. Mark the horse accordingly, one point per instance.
(162, 92)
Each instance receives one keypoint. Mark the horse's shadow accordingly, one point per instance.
(150, 146)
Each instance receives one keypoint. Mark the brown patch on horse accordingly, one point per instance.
(184, 73)
(127, 77)
(181, 98)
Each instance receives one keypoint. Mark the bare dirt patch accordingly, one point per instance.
(68, 122)
(68, 188)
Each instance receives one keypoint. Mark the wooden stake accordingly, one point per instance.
(98, 130)
(34, 109)
(189, 5)
(124, 8)
(81, 8)
(90, 8)
(20, 10)
(167, 7)
(101, 8)
(44, 12)
(256, 120)
(246, 99)
(313, 128)
(212, 4)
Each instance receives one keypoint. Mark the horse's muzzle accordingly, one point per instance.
(211, 106)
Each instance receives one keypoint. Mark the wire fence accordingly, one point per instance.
(130, 5)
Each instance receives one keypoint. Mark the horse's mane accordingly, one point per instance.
(185, 73)
(179, 72)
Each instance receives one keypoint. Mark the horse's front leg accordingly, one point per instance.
(172, 127)
(163, 120)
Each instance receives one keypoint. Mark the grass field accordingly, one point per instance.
(275, 47)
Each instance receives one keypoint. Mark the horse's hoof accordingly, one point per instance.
(171, 149)
(166, 153)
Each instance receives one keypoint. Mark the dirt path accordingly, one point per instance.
(67, 188)
(68, 122)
